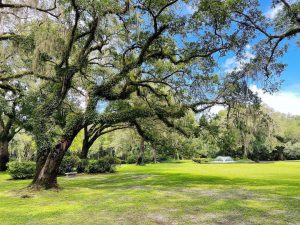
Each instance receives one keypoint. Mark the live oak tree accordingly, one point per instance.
(15, 102)
(9, 120)
(93, 132)
(168, 136)
(120, 49)
(12, 113)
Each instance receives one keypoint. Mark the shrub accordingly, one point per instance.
(82, 165)
(123, 161)
(21, 170)
(201, 160)
(131, 159)
(103, 165)
(197, 160)
(148, 158)
(69, 164)
(165, 158)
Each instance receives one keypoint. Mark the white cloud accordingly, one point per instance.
(230, 64)
(273, 12)
(216, 109)
(234, 64)
(282, 101)
(213, 111)
(286, 102)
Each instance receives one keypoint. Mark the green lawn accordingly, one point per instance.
(166, 193)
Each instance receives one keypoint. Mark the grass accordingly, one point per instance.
(166, 193)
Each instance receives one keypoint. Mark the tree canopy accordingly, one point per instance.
(147, 59)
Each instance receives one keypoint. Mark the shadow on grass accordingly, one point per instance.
(177, 189)
(164, 180)
(177, 180)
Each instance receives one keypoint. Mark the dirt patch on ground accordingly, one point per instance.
(158, 218)
(201, 192)
(237, 194)
(277, 212)
(139, 188)
(21, 193)
(231, 218)
(204, 218)
(221, 194)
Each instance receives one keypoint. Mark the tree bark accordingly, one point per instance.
(46, 176)
(85, 144)
(281, 155)
(50, 159)
(245, 151)
(140, 159)
(4, 155)
(40, 162)
(91, 137)
(84, 151)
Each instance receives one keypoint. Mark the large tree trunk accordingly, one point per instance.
(46, 175)
(245, 146)
(4, 155)
(245, 151)
(281, 155)
(85, 144)
(40, 162)
(84, 150)
(50, 159)
(140, 159)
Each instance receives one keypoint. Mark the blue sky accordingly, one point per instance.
(287, 100)
(291, 75)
